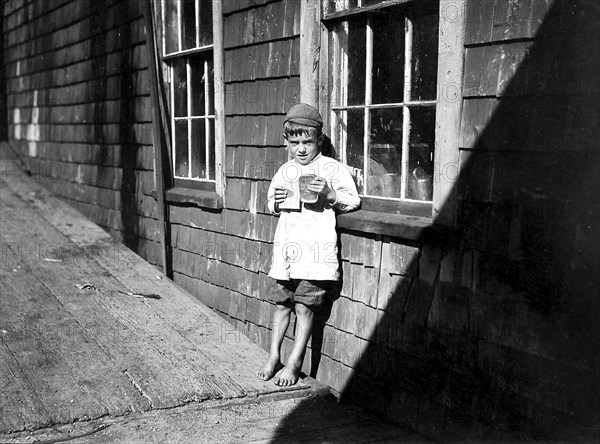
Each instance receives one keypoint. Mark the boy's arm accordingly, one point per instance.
(346, 195)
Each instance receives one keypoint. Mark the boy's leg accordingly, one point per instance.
(290, 374)
(281, 320)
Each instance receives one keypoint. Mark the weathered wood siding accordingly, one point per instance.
(79, 108)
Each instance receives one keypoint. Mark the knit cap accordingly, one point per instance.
(304, 115)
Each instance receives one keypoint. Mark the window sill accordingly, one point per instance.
(414, 228)
(188, 196)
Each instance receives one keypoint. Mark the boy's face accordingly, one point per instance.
(303, 148)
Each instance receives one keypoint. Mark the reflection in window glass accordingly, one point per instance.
(420, 161)
(180, 88)
(355, 137)
(425, 49)
(170, 27)
(188, 24)
(211, 87)
(385, 153)
(350, 133)
(356, 63)
(388, 58)
(211, 149)
(205, 25)
(181, 149)
(202, 84)
(197, 84)
(197, 148)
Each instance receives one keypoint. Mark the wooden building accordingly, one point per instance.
(470, 276)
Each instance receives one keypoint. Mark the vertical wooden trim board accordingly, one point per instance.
(157, 133)
(323, 78)
(310, 45)
(449, 103)
(219, 73)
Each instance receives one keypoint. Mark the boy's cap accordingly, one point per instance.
(304, 115)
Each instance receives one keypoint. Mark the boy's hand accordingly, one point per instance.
(319, 185)
(280, 195)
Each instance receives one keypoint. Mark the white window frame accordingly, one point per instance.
(406, 104)
(189, 118)
(216, 51)
(448, 102)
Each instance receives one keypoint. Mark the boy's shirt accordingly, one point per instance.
(305, 244)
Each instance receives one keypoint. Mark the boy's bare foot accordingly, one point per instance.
(271, 367)
(288, 376)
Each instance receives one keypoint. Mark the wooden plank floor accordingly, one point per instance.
(83, 359)
(76, 344)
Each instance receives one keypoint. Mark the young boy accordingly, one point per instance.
(305, 260)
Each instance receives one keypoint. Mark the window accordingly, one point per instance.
(383, 88)
(190, 54)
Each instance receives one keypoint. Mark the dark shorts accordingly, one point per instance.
(313, 294)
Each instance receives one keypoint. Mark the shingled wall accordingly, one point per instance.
(488, 333)
(79, 109)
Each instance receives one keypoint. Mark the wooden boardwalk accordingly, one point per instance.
(88, 328)
(90, 333)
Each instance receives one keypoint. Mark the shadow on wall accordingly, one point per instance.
(496, 336)
(116, 81)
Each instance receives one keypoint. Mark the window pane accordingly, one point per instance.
(337, 42)
(170, 29)
(425, 54)
(198, 81)
(420, 157)
(211, 149)
(198, 147)
(356, 62)
(179, 88)
(385, 157)
(349, 134)
(181, 149)
(388, 57)
(211, 89)
(188, 23)
(206, 36)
